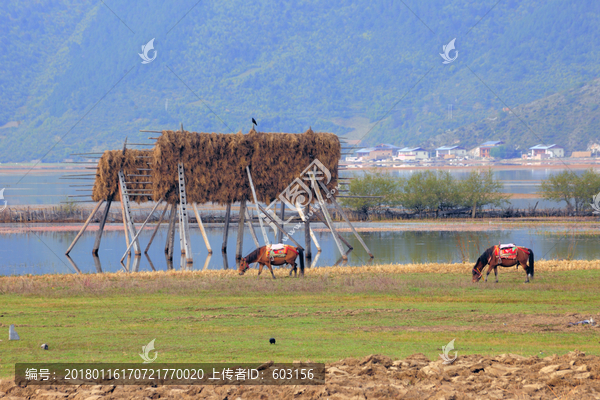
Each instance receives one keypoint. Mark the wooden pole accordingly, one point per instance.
(341, 211)
(307, 252)
(226, 231)
(249, 222)
(84, 227)
(101, 227)
(225, 262)
(260, 221)
(304, 216)
(207, 262)
(141, 229)
(184, 218)
(135, 266)
(169, 228)
(73, 264)
(281, 217)
(127, 211)
(336, 232)
(202, 231)
(156, 228)
(171, 233)
(124, 222)
(279, 226)
(240, 234)
(314, 263)
(150, 262)
(180, 226)
(169, 262)
(326, 214)
(97, 264)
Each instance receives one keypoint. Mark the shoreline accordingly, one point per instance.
(431, 225)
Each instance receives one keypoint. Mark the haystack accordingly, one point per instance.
(215, 165)
(132, 162)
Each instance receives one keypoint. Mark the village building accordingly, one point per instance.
(379, 152)
(483, 150)
(450, 152)
(412, 153)
(541, 151)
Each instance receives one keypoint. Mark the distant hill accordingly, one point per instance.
(570, 119)
(71, 79)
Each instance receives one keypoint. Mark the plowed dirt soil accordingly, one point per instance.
(507, 376)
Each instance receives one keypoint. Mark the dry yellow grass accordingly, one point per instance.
(540, 266)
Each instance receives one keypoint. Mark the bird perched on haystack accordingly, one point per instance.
(272, 340)
(254, 122)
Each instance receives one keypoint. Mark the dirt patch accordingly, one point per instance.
(506, 376)
(513, 323)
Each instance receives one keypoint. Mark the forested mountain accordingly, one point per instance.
(70, 69)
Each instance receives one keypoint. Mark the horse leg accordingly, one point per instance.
(526, 269)
(260, 267)
(488, 272)
(496, 273)
(271, 269)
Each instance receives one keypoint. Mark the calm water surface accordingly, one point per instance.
(43, 252)
(47, 188)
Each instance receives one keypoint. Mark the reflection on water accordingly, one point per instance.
(43, 252)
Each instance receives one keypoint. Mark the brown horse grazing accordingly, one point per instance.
(262, 256)
(495, 256)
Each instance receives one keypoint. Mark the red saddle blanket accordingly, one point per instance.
(281, 252)
(509, 252)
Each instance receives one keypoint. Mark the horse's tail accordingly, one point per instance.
(301, 254)
(531, 260)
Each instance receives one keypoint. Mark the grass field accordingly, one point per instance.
(330, 314)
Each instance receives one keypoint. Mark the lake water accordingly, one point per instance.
(47, 188)
(43, 252)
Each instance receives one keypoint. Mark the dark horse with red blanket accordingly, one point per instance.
(505, 256)
(266, 256)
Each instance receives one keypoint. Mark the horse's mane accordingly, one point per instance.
(252, 257)
(488, 253)
(485, 256)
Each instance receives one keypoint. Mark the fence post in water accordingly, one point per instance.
(226, 231)
(101, 227)
(84, 227)
(240, 233)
